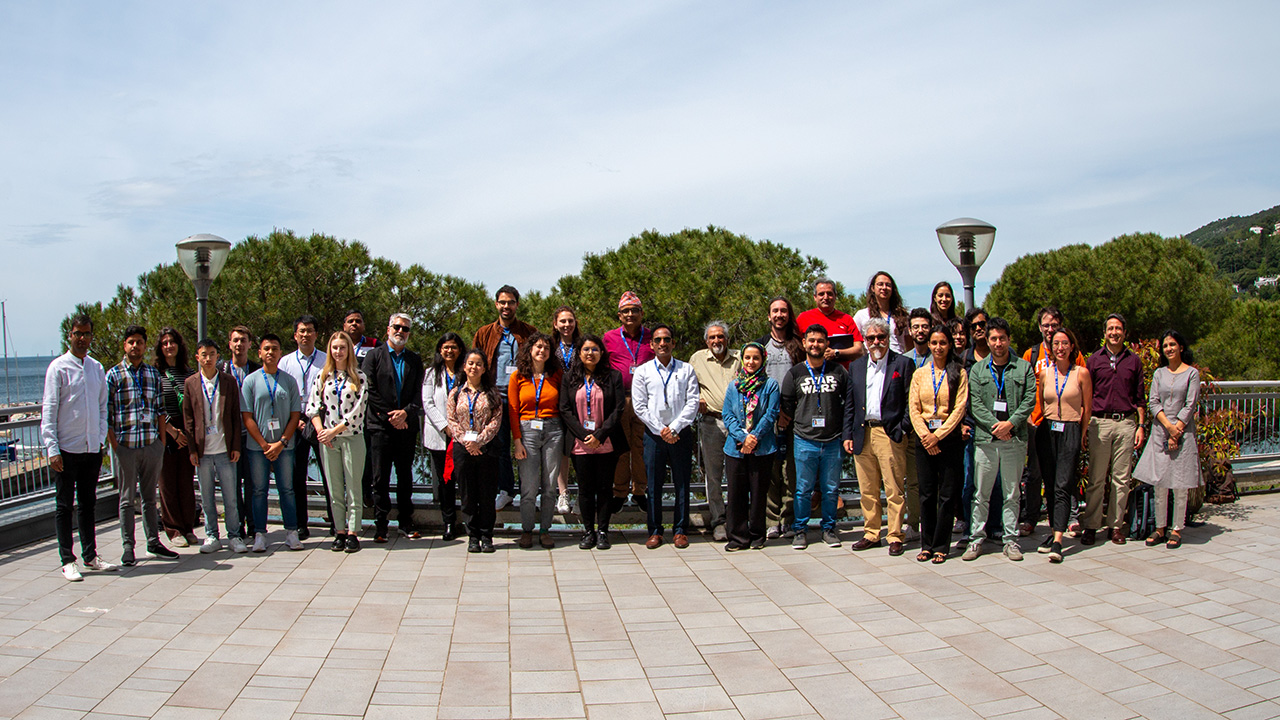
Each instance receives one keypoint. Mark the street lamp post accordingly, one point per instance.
(202, 257)
(967, 243)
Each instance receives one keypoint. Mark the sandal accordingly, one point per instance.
(1156, 538)
(923, 556)
(1175, 540)
(939, 558)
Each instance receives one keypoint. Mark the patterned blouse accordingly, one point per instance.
(335, 401)
(487, 417)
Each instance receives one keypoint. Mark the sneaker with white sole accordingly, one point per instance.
(97, 563)
(562, 504)
(178, 541)
(210, 545)
(71, 572)
(259, 542)
(973, 551)
(1012, 551)
(291, 540)
(238, 546)
(831, 537)
(799, 542)
(503, 500)
(910, 533)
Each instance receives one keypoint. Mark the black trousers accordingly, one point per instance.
(446, 492)
(506, 471)
(244, 491)
(304, 449)
(78, 483)
(392, 449)
(941, 480)
(748, 477)
(1032, 478)
(478, 475)
(1059, 454)
(595, 488)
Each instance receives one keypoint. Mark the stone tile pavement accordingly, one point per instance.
(420, 630)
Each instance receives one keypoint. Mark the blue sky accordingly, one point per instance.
(470, 137)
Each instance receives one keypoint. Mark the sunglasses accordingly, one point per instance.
(877, 338)
(978, 324)
(662, 340)
(400, 328)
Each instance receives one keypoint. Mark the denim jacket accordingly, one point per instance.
(735, 420)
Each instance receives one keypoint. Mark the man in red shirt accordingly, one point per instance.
(845, 341)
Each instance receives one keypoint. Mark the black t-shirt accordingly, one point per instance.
(1001, 415)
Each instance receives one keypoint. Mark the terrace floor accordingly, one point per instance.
(421, 630)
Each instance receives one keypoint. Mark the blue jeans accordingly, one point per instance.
(220, 468)
(658, 454)
(282, 466)
(817, 465)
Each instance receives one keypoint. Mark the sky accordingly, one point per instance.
(500, 141)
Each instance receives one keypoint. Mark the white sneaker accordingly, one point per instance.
(259, 542)
(562, 504)
(502, 500)
(71, 572)
(97, 563)
(238, 546)
(910, 533)
(211, 545)
(291, 540)
(178, 541)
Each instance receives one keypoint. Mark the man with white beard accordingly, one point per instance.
(715, 367)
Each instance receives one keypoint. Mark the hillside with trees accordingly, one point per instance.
(1246, 250)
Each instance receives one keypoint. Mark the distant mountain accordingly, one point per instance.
(1245, 249)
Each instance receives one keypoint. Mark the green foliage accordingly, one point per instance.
(1155, 282)
(685, 279)
(1244, 346)
(1241, 254)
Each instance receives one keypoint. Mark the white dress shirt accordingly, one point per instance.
(304, 370)
(670, 404)
(875, 386)
(74, 418)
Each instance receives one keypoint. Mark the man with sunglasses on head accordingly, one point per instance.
(393, 417)
(500, 342)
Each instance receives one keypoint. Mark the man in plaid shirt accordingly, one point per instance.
(135, 425)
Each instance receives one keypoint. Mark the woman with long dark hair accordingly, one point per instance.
(884, 301)
(533, 399)
(1171, 460)
(475, 415)
(564, 323)
(438, 382)
(942, 303)
(592, 396)
(937, 402)
(177, 475)
(1066, 396)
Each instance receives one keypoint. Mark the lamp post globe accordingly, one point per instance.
(202, 257)
(967, 243)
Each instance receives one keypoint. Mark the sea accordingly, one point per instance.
(24, 381)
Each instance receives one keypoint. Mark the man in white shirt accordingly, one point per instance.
(304, 365)
(73, 428)
(664, 395)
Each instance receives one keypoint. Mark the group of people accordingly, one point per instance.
(939, 416)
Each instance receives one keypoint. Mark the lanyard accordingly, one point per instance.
(1058, 390)
(999, 378)
(635, 354)
(397, 365)
(920, 360)
(665, 401)
(537, 395)
(272, 387)
(566, 356)
(471, 407)
(933, 378)
(589, 385)
(337, 390)
(818, 381)
(510, 341)
(449, 381)
(311, 359)
(137, 382)
(209, 396)
(237, 373)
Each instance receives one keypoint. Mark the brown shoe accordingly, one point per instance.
(895, 548)
(681, 542)
(526, 540)
(866, 543)
(653, 542)
(545, 541)
(1117, 536)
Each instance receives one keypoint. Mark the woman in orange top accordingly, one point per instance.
(536, 433)
(1066, 395)
(937, 402)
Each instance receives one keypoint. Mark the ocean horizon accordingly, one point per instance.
(23, 378)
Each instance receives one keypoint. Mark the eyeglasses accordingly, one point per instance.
(662, 340)
(715, 337)
(400, 328)
(877, 338)
(81, 334)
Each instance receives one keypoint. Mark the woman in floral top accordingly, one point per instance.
(336, 407)
(475, 414)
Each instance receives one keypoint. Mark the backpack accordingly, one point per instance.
(1142, 521)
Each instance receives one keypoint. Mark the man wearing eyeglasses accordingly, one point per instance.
(716, 365)
(629, 347)
(500, 341)
(395, 406)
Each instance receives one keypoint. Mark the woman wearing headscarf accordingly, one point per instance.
(751, 406)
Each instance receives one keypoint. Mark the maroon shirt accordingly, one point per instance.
(1118, 390)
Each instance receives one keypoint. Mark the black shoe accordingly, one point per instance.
(641, 501)
(1046, 546)
(127, 559)
(602, 540)
(486, 545)
(757, 544)
(160, 551)
(588, 540)
(1088, 537)
(304, 532)
(615, 504)
(339, 543)
(353, 543)
(473, 545)
(450, 532)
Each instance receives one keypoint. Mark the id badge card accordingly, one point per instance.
(589, 425)
(535, 424)
(470, 436)
(273, 425)
(1000, 406)
(819, 422)
(145, 418)
(210, 430)
(935, 424)
(510, 369)
(1058, 426)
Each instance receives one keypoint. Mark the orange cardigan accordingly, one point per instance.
(521, 394)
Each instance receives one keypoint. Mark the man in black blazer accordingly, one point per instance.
(395, 406)
(874, 431)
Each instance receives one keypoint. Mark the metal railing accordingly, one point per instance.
(1259, 400)
(25, 474)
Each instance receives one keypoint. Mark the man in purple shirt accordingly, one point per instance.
(1115, 429)
(628, 348)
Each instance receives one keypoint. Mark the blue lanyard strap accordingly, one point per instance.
(665, 400)
(566, 356)
(635, 354)
(999, 378)
(509, 340)
(449, 381)
(311, 359)
(920, 361)
(471, 406)
(337, 390)
(137, 383)
(589, 385)
(937, 384)
(537, 395)
(818, 380)
(272, 387)
(209, 396)
(237, 373)
(1058, 390)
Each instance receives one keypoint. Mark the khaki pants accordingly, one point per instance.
(1110, 458)
(881, 464)
(630, 477)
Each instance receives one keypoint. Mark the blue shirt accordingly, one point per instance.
(508, 346)
(265, 400)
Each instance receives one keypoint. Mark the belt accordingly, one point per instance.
(1116, 415)
(712, 414)
(875, 423)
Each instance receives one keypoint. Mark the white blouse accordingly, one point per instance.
(335, 401)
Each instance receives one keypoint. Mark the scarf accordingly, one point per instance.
(749, 386)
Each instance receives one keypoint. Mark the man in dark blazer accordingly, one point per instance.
(211, 418)
(875, 422)
(393, 417)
